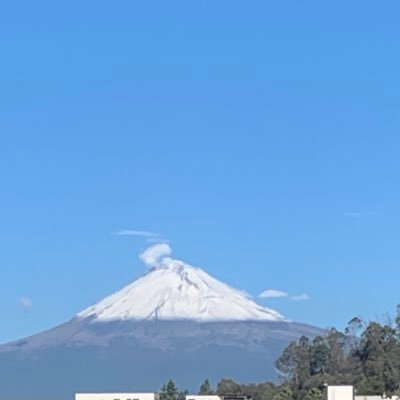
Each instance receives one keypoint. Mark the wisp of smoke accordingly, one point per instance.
(157, 256)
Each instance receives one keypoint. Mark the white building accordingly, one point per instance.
(202, 397)
(376, 398)
(340, 393)
(116, 396)
(348, 393)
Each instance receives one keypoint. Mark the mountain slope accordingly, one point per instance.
(174, 322)
(134, 356)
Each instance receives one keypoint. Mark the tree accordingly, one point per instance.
(314, 394)
(337, 358)
(319, 356)
(354, 326)
(205, 388)
(287, 363)
(379, 355)
(370, 361)
(169, 391)
(285, 393)
(262, 391)
(229, 387)
(295, 366)
(182, 395)
(303, 362)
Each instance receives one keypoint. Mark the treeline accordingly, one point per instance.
(262, 391)
(365, 355)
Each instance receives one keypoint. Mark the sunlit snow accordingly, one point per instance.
(175, 291)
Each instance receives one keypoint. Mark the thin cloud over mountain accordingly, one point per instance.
(300, 297)
(134, 232)
(279, 294)
(272, 294)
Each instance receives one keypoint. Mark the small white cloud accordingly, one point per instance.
(134, 232)
(26, 303)
(154, 255)
(279, 294)
(300, 297)
(272, 294)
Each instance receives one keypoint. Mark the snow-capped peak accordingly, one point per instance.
(174, 290)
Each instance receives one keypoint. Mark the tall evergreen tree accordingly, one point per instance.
(205, 388)
(169, 391)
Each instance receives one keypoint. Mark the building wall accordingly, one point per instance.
(375, 398)
(116, 396)
(340, 393)
(202, 397)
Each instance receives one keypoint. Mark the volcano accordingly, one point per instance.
(175, 322)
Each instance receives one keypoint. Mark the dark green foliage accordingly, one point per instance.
(284, 393)
(182, 395)
(319, 356)
(314, 394)
(205, 388)
(379, 355)
(229, 387)
(169, 391)
(366, 356)
(261, 391)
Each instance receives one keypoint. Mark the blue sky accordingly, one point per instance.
(261, 139)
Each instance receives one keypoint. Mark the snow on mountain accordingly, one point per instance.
(174, 290)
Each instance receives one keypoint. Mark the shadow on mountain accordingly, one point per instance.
(87, 356)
